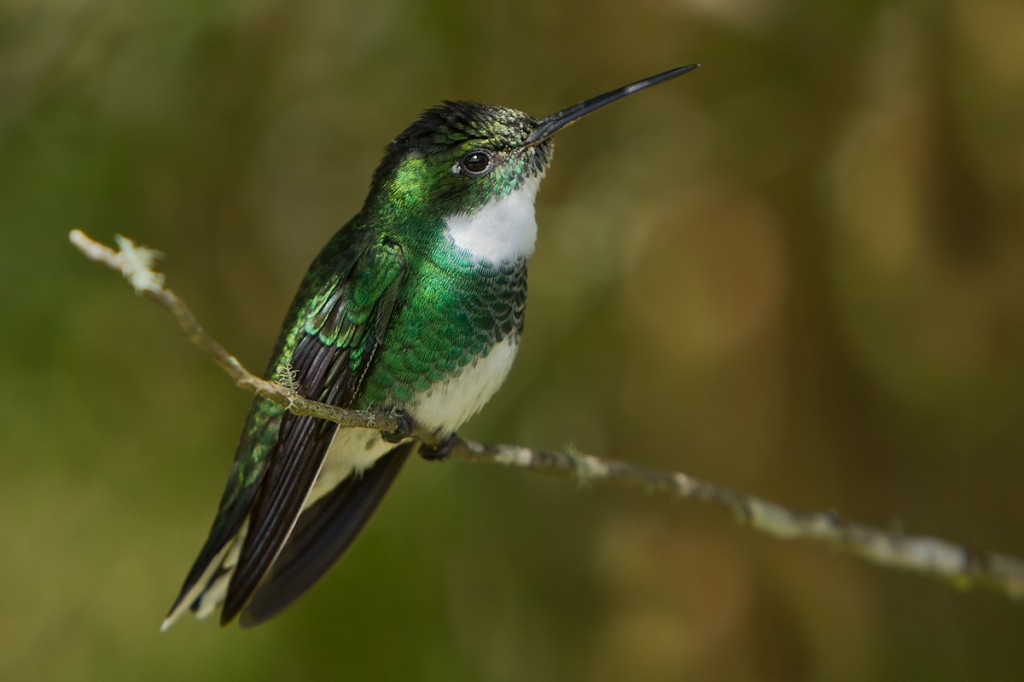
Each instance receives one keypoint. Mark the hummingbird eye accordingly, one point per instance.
(476, 163)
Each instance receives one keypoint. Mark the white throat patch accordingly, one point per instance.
(502, 230)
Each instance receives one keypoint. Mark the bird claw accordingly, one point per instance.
(406, 425)
(439, 452)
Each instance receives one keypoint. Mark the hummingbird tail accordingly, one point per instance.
(323, 533)
(207, 593)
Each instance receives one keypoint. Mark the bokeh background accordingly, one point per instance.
(798, 271)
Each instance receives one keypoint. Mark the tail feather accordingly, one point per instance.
(206, 593)
(323, 533)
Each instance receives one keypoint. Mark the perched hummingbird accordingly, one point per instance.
(416, 305)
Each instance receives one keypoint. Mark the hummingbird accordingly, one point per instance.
(416, 306)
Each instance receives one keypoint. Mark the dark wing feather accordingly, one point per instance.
(334, 352)
(321, 536)
(258, 438)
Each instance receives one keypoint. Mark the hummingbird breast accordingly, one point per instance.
(454, 337)
(461, 314)
(448, 350)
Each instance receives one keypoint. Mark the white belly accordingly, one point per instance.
(444, 407)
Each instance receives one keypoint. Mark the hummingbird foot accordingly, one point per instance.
(406, 425)
(439, 452)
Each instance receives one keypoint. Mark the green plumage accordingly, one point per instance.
(457, 315)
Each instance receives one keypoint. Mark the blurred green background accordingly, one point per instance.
(798, 271)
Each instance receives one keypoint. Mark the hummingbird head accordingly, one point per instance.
(459, 157)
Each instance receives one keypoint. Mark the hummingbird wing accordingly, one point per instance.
(259, 436)
(324, 531)
(329, 344)
(336, 346)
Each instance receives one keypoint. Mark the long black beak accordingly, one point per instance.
(549, 125)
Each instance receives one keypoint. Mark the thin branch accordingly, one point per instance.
(956, 564)
(135, 264)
